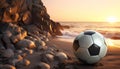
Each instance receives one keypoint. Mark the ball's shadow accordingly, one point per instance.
(80, 65)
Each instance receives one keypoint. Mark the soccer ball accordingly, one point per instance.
(89, 47)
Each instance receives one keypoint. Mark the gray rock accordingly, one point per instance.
(7, 66)
(23, 62)
(44, 38)
(26, 62)
(47, 34)
(15, 60)
(42, 48)
(31, 38)
(42, 43)
(6, 39)
(19, 51)
(26, 17)
(18, 57)
(18, 37)
(61, 56)
(10, 46)
(37, 43)
(49, 57)
(8, 53)
(25, 43)
(7, 33)
(42, 65)
(27, 51)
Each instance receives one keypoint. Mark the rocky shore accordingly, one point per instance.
(17, 44)
(25, 29)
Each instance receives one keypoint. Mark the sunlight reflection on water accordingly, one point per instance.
(108, 30)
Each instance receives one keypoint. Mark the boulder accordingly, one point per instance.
(61, 56)
(7, 17)
(26, 17)
(42, 65)
(8, 53)
(25, 43)
(25, 62)
(48, 58)
(18, 57)
(22, 63)
(10, 46)
(42, 48)
(18, 37)
(6, 39)
(15, 59)
(28, 51)
(7, 33)
(33, 29)
(7, 66)
(42, 43)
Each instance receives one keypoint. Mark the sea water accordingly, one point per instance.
(111, 31)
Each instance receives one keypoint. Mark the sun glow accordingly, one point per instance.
(112, 19)
(109, 42)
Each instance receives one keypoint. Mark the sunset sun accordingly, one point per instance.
(112, 19)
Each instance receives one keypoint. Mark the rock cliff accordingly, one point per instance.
(24, 30)
(28, 14)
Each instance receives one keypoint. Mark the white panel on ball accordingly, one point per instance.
(82, 53)
(93, 59)
(103, 50)
(85, 41)
(98, 39)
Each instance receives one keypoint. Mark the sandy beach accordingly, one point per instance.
(110, 61)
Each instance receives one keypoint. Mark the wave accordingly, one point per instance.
(112, 39)
(111, 33)
(68, 34)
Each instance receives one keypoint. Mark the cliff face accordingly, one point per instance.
(24, 30)
(29, 14)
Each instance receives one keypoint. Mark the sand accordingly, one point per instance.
(110, 61)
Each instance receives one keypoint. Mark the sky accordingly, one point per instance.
(83, 10)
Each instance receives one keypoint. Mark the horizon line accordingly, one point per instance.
(86, 21)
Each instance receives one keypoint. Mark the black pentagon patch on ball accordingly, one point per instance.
(89, 32)
(76, 45)
(94, 50)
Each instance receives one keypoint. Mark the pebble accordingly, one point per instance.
(42, 65)
(7, 66)
(26, 62)
(61, 56)
(48, 58)
(42, 43)
(22, 63)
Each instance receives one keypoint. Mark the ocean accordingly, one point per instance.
(111, 31)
